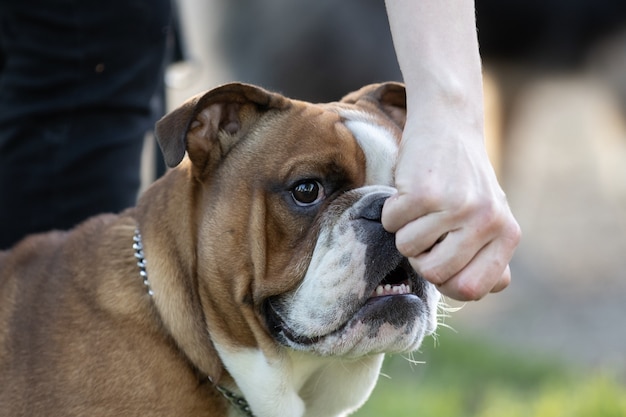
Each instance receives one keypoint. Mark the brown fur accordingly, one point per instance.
(79, 335)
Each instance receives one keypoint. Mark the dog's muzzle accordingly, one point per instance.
(359, 295)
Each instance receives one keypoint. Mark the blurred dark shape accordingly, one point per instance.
(312, 50)
(549, 32)
(80, 85)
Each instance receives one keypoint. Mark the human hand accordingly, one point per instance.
(450, 216)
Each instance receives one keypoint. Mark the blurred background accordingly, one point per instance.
(554, 342)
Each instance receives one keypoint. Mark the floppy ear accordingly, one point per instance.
(208, 124)
(389, 98)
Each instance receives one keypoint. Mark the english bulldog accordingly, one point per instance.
(254, 278)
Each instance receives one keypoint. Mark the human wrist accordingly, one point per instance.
(444, 113)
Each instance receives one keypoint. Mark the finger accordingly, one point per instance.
(448, 257)
(399, 210)
(421, 235)
(486, 271)
(504, 281)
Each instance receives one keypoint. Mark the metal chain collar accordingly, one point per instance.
(235, 400)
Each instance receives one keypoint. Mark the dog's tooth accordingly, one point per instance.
(389, 289)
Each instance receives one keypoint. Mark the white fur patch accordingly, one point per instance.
(315, 308)
(298, 384)
(379, 145)
(266, 384)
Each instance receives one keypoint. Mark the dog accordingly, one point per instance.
(254, 278)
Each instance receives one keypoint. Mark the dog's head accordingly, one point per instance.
(290, 248)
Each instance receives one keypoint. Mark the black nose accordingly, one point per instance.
(373, 210)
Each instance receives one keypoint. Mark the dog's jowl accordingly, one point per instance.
(254, 278)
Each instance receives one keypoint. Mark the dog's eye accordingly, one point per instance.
(307, 193)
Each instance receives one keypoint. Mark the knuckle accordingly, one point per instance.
(504, 282)
(482, 211)
(496, 220)
(470, 290)
(489, 213)
(514, 232)
(433, 198)
(435, 275)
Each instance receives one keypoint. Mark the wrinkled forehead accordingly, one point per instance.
(332, 130)
(379, 140)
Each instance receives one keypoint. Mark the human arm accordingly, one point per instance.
(446, 184)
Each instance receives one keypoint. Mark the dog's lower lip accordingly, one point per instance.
(401, 284)
(281, 327)
(389, 298)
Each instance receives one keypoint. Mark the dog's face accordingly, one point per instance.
(358, 295)
(290, 230)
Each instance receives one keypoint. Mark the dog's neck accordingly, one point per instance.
(338, 388)
(299, 384)
(238, 402)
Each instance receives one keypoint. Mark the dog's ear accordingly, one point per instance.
(208, 124)
(389, 98)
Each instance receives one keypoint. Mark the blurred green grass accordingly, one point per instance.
(465, 377)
